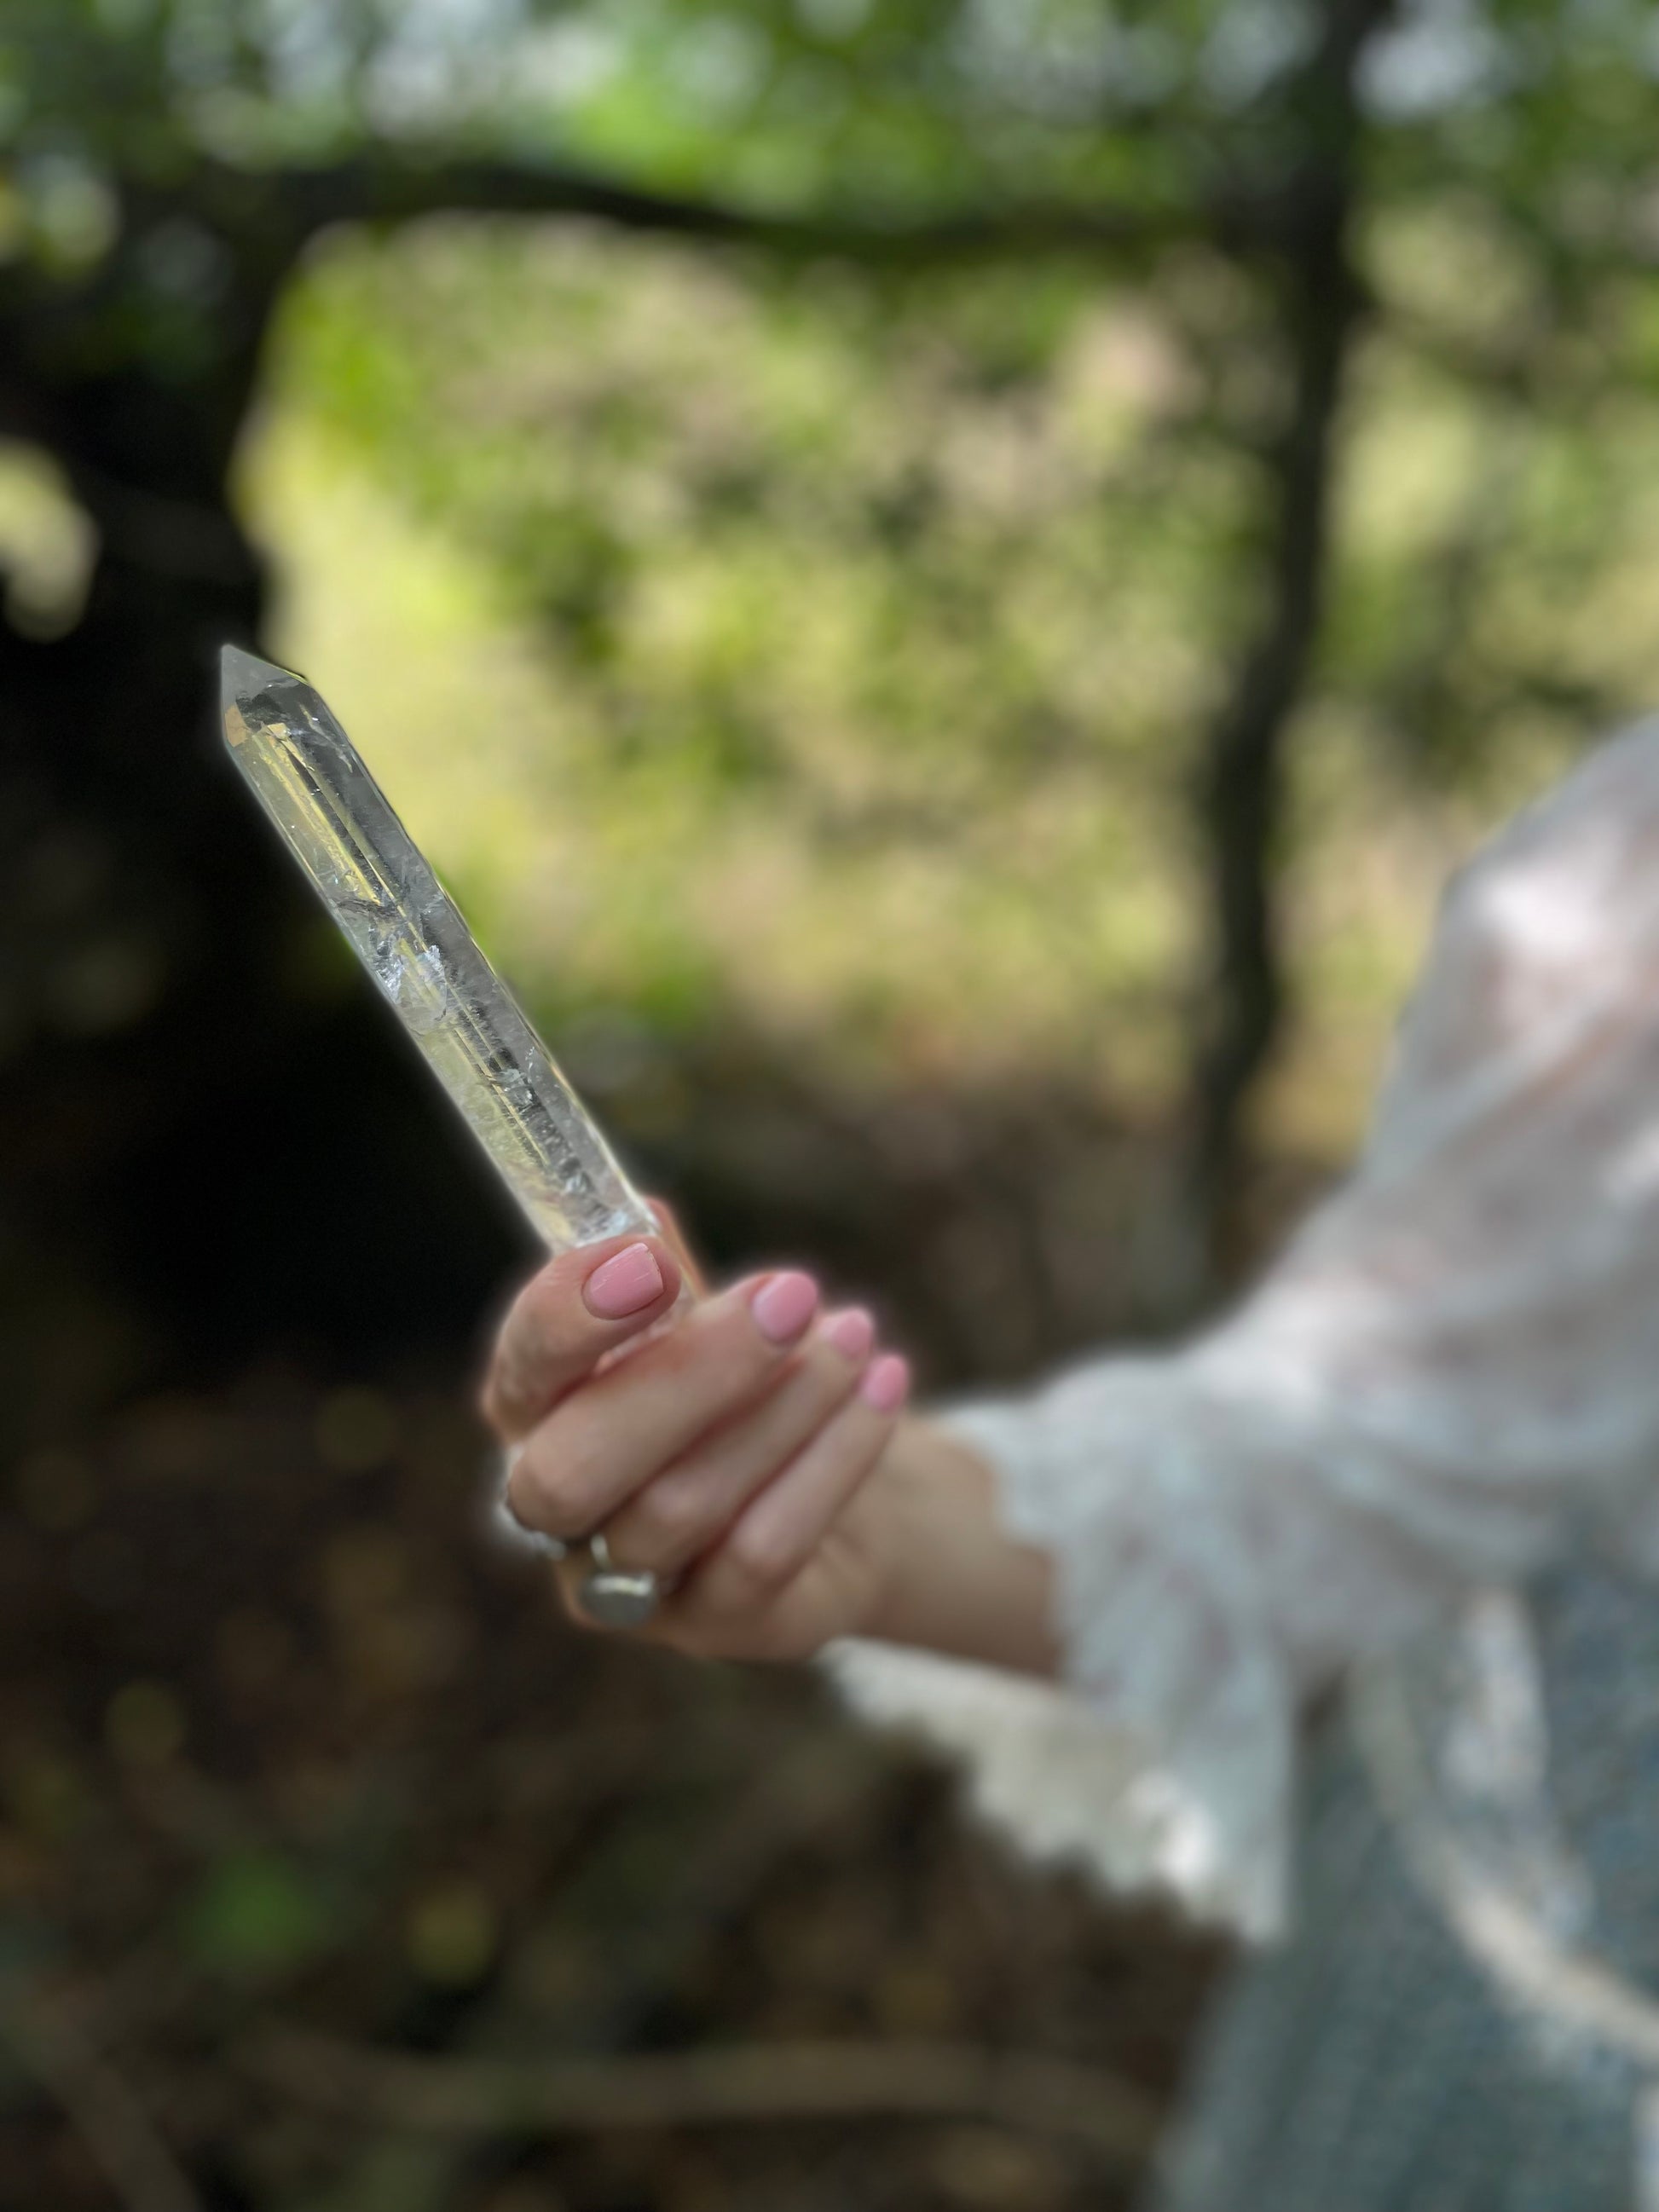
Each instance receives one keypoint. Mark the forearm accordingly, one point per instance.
(955, 1581)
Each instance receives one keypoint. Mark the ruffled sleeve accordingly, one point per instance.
(1450, 1377)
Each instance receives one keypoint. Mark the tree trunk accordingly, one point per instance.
(1242, 784)
(202, 1145)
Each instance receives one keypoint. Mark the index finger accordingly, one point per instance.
(564, 1321)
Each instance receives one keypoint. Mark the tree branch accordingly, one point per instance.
(119, 2133)
(741, 2085)
(388, 187)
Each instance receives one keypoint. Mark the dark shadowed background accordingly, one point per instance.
(946, 579)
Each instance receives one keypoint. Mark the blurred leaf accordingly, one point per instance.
(256, 1915)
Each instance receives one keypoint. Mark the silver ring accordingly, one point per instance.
(610, 1596)
(607, 1594)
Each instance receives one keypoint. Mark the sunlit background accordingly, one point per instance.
(947, 580)
(835, 666)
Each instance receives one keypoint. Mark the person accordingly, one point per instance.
(1408, 1485)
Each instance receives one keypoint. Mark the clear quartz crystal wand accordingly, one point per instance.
(408, 933)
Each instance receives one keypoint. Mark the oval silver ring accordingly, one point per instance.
(610, 1596)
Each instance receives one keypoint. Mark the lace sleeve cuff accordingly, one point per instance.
(1164, 1760)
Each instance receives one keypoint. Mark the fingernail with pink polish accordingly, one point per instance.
(886, 1384)
(628, 1281)
(852, 1333)
(783, 1305)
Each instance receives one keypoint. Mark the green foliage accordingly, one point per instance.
(775, 99)
(871, 624)
(900, 597)
(888, 99)
(878, 623)
(256, 1916)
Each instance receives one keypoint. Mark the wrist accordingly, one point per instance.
(951, 1577)
(905, 1501)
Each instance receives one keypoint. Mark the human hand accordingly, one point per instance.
(728, 1448)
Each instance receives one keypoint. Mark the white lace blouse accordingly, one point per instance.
(1450, 1378)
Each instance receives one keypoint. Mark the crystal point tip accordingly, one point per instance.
(334, 819)
(244, 675)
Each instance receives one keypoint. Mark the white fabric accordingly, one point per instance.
(1450, 1377)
